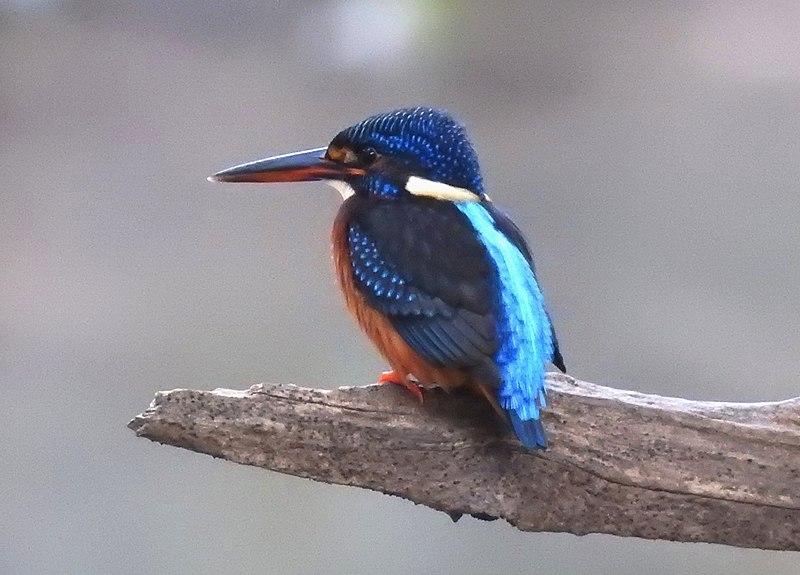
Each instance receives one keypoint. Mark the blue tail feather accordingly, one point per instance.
(530, 432)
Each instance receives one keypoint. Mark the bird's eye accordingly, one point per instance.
(367, 156)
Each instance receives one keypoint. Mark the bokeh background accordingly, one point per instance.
(650, 152)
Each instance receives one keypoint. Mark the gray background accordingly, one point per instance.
(649, 153)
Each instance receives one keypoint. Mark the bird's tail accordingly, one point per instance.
(529, 431)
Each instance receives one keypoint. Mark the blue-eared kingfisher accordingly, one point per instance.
(439, 278)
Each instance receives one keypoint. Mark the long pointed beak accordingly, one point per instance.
(307, 166)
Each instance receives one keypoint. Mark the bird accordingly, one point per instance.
(440, 279)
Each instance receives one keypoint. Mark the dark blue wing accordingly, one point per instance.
(420, 263)
(513, 233)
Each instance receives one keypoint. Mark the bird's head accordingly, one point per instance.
(415, 152)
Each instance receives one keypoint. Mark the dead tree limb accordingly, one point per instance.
(620, 462)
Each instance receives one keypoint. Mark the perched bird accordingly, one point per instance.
(439, 278)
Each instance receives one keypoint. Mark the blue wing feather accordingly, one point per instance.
(434, 285)
(514, 234)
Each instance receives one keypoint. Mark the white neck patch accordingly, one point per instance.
(418, 187)
(342, 187)
(437, 190)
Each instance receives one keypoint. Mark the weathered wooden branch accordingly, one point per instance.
(620, 462)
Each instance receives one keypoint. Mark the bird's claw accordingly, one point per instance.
(392, 377)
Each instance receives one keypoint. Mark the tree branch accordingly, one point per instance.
(620, 462)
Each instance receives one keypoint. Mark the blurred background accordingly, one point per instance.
(649, 151)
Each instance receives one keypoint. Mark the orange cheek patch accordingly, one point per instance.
(336, 154)
(341, 155)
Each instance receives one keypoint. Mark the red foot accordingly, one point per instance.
(392, 377)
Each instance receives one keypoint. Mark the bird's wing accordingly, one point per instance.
(514, 234)
(422, 265)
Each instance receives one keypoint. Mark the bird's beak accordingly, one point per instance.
(307, 166)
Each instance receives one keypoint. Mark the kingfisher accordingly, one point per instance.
(440, 279)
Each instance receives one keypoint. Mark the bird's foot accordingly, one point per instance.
(392, 377)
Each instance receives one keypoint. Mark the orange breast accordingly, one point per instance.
(403, 360)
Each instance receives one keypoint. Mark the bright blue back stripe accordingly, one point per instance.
(523, 328)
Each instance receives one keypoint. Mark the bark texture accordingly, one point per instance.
(619, 462)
